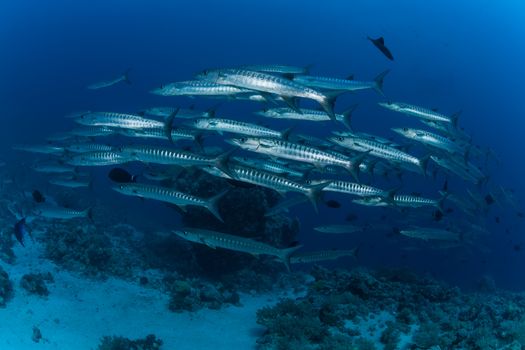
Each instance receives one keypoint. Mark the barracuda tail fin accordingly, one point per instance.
(221, 162)
(355, 162)
(327, 103)
(439, 204)
(126, 76)
(423, 164)
(378, 86)
(212, 205)
(455, 117)
(168, 125)
(347, 116)
(315, 193)
(286, 253)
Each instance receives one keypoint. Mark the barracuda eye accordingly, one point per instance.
(121, 187)
(405, 129)
(243, 139)
(340, 138)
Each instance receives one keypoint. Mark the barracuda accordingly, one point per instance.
(277, 68)
(430, 139)
(98, 158)
(330, 83)
(272, 181)
(234, 126)
(419, 112)
(199, 88)
(272, 167)
(45, 149)
(468, 172)
(92, 131)
(307, 114)
(53, 168)
(214, 239)
(271, 84)
(104, 84)
(160, 134)
(379, 150)
(55, 212)
(323, 255)
(188, 113)
(70, 182)
(352, 188)
(293, 151)
(426, 234)
(118, 120)
(169, 195)
(401, 201)
(170, 156)
(88, 147)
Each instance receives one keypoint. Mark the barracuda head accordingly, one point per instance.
(128, 189)
(406, 132)
(394, 106)
(246, 143)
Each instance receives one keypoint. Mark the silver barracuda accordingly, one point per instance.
(379, 150)
(430, 139)
(338, 229)
(330, 83)
(294, 151)
(307, 114)
(88, 147)
(419, 112)
(51, 211)
(426, 233)
(233, 126)
(198, 88)
(188, 113)
(44, 149)
(169, 195)
(107, 83)
(70, 182)
(53, 168)
(118, 120)
(277, 68)
(351, 188)
(93, 131)
(160, 134)
(214, 239)
(270, 84)
(323, 255)
(98, 158)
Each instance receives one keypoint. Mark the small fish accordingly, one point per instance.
(38, 197)
(121, 176)
(21, 231)
(323, 255)
(55, 212)
(104, 84)
(337, 229)
(332, 204)
(489, 199)
(437, 215)
(380, 44)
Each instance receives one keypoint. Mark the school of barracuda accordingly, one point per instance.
(344, 161)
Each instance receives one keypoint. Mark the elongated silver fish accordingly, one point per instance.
(401, 201)
(92, 131)
(293, 151)
(277, 183)
(427, 233)
(44, 149)
(338, 229)
(380, 150)
(307, 114)
(214, 239)
(70, 182)
(233, 126)
(323, 255)
(271, 166)
(169, 195)
(330, 83)
(160, 134)
(352, 188)
(419, 112)
(104, 84)
(277, 68)
(51, 211)
(198, 88)
(271, 84)
(98, 158)
(118, 120)
(88, 147)
(468, 171)
(53, 168)
(430, 139)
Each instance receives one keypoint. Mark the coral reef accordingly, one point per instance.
(6, 288)
(151, 342)
(392, 309)
(35, 283)
(192, 295)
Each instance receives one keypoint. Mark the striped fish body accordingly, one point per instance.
(330, 83)
(168, 156)
(353, 188)
(234, 126)
(198, 88)
(118, 120)
(159, 133)
(98, 159)
(88, 147)
(416, 111)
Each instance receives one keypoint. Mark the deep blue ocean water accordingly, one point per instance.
(454, 56)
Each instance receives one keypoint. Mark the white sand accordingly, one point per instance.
(78, 312)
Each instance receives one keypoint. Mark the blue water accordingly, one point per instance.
(455, 56)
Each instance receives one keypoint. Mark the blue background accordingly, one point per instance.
(452, 55)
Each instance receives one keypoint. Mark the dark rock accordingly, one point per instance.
(35, 283)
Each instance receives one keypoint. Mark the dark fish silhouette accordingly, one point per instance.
(21, 231)
(489, 199)
(38, 197)
(517, 247)
(497, 219)
(121, 175)
(380, 44)
(437, 215)
(351, 217)
(332, 204)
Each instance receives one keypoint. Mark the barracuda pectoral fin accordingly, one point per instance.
(207, 243)
(315, 193)
(286, 253)
(268, 97)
